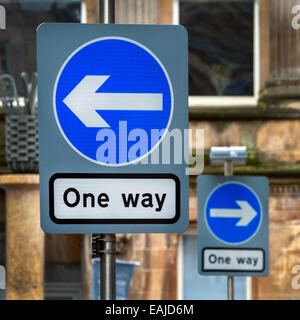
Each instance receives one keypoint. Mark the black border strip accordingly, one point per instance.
(235, 271)
(113, 176)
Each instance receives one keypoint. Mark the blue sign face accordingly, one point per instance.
(113, 101)
(233, 213)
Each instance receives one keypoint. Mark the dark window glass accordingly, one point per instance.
(220, 46)
(18, 41)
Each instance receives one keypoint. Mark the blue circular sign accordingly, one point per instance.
(110, 95)
(233, 213)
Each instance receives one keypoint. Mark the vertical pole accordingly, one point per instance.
(228, 171)
(230, 288)
(228, 168)
(107, 266)
(107, 11)
(107, 242)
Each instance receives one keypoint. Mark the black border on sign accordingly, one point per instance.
(113, 176)
(236, 271)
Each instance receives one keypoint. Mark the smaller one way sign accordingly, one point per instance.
(233, 225)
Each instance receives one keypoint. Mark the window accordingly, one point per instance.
(223, 50)
(18, 40)
(193, 286)
(63, 291)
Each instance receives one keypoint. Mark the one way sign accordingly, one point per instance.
(233, 225)
(109, 97)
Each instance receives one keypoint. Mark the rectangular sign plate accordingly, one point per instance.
(233, 221)
(125, 199)
(242, 260)
(112, 101)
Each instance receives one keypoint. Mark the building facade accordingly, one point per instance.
(244, 79)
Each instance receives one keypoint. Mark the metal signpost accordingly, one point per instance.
(229, 155)
(232, 221)
(108, 98)
(104, 245)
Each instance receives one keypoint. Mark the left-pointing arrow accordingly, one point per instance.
(83, 101)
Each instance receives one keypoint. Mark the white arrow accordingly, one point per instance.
(246, 213)
(83, 101)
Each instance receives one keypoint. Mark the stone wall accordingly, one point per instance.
(155, 277)
(284, 242)
(272, 139)
(271, 133)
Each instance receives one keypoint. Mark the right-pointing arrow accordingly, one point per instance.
(83, 101)
(246, 213)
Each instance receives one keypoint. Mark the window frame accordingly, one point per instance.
(83, 11)
(83, 19)
(62, 290)
(230, 101)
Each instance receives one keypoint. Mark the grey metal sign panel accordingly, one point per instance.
(233, 225)
(100, 82)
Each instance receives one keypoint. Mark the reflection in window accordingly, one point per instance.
(3, 58)
(18, 41)
(220, 46)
